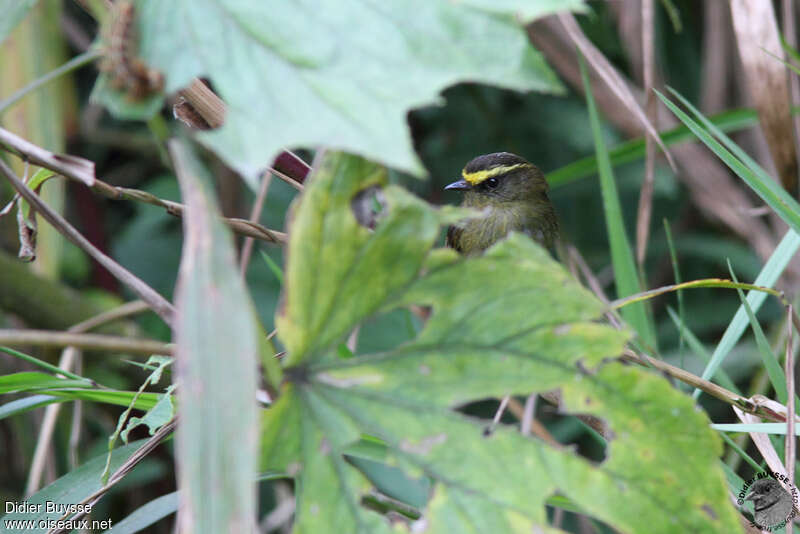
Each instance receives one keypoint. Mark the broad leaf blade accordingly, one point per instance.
(216, 357)
(510, 321)
(314, 71)
(334, 259)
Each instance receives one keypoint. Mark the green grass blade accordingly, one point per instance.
(697, 346)
(673, 256)
(146, 515)
(23, 405)
(633, 150)
(772, 270)
(774, 371)
(625, 273)
(764, 186)
(44, 365)
(30, 381)
(68, 490)
(763, 428)
(733, 445)
(273, 266)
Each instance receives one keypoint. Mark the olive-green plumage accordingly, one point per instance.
(511, 194)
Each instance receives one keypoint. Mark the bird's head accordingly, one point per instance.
(765, 492)
(500, 177)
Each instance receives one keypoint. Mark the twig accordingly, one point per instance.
(614, 81)
(48, 338)
(255, 215)
(68, 356)
(75, 426)
(74, 63)
(120, 473)
(120, 312)
(718, 392)
(594, 284)
(497, 415)
(159, 304)
(240, 226)
(537, 428)
(711, 186)
(70, 166)
(527, 415)
(701, 283)
(646, 193)
(205, 102)
(791, 440)
(83, 171)
(288, 179)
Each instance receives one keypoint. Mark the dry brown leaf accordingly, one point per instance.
(768, 83)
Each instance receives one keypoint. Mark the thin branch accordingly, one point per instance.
(651, 110)
(702, 283)
(255, 215)
(69, 356)
(140, 454)
(120, 312)
(73, 167)
(718, 392)
(159, 304)
(286, 178)
(83, 171)
(205, 102)
(713, 189)
(527, 415)
(611, 77)
(240, 226)
(75, 425)
(48, 338)
(497, 415)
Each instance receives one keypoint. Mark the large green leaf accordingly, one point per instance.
(216, 361)
(338, 73)
(510, 321)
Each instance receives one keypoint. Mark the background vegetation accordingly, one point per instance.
(514, 83)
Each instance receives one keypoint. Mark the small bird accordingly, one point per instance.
(772, 504)
(511, 194)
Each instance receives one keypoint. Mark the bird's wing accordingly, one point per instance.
(453, 237)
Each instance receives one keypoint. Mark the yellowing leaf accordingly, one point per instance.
(510, 321)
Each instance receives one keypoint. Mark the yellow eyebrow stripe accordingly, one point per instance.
(474, 178)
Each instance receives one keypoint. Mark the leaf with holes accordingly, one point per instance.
(510, 321)
(338, 73)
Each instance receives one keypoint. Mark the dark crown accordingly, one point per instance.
(488, 161)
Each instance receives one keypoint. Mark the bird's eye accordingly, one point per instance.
(491, 183)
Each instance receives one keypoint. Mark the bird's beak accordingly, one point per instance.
(461, 185)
